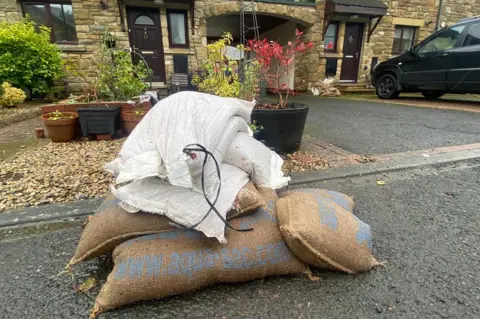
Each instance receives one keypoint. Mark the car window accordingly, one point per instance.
(442, 41)
(473, 35)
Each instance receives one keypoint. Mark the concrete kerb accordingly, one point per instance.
(402, 163)
(68, 211)
(49, 212)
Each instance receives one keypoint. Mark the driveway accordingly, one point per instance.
(425, 225)
(372, 128)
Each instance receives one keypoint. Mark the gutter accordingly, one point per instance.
(439, 13)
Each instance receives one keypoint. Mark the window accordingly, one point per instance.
(403, 39)
(56, 15)
(177, 28)
(144, 20)
(331, 37)
(331, 67)
(444, 40)
(473, 35)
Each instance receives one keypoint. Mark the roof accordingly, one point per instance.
(362, 3)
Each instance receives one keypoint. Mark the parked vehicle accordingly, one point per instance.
(446, 62)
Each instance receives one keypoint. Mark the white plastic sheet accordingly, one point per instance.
(165, 180)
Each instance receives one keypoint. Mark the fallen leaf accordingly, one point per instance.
(381, 183)
(87, 285)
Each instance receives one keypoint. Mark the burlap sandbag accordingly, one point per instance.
(112, 225)
(338, 198)
(179, 261)
(324, 234)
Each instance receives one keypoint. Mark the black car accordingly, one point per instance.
(447, 61)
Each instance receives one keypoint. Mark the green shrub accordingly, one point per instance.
(27, 58)
(113, 77)
(11, 96)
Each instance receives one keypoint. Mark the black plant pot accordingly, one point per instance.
(102, 120)
(282, 129)
(111, 43)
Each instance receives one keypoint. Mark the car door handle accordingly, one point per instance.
(441, 55)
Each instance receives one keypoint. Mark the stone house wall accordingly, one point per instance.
(91, 21)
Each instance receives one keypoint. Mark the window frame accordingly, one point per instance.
(169, 25)
(47, 4)
(402, 27)
(335, 47)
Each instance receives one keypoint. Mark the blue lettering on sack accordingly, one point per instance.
(339, 199)
(121, 269)
(173, 267)
(191, 262)
(259, 214)
(327, 213)
(136, 268)
(336, 197)
(261, 260)
(154, 264)
(364, 234)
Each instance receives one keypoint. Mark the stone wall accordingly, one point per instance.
(9, 10)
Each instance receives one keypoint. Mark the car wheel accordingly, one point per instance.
(432, 95)
(386, 87)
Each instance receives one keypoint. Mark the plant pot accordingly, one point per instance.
(61, 130)
(111, 43)
(282, 128)
(101, 120)
(130, 121)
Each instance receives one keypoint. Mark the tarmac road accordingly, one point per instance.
(426, 225)
(372, 128)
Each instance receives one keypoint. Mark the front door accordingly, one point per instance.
(352, 46)
(145, 33)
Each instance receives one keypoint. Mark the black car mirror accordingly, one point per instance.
(413, 52)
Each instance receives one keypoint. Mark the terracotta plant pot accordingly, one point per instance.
(61, 130)
(130, 120)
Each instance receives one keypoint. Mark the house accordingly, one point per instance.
(351, 36)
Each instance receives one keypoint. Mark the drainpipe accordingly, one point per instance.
(440, 8)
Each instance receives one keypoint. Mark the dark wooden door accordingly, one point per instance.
(352, 46)
(145, 33)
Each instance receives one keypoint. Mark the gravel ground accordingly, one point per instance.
(57, 173)
(74, 171)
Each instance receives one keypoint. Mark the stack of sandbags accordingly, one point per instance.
(179, 261)
(153, 259)
(321, 230)
(324, 88)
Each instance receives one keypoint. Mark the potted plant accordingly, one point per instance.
(99, 120)
(60, 126)
(131, 118)
(283, 122)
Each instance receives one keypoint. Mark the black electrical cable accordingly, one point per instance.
(190, 150)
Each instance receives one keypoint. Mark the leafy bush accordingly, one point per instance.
(220, 76)
(11, 96)
(114, 77)
(275, 61)
(27, 58)
(217, 75)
